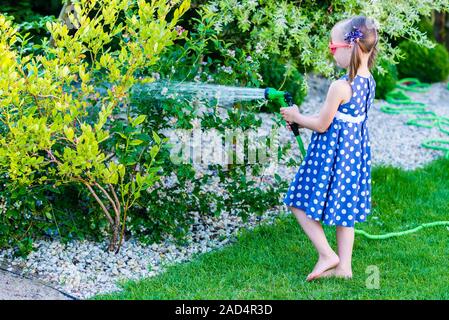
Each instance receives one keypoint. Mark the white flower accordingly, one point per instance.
(228, 70)
(259, 48)
(156, 75)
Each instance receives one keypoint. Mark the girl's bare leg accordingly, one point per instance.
(345, 241)
(327, 259)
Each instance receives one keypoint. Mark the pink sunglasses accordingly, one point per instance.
(333, 46)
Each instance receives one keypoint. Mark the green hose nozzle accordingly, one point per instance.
(284, 99)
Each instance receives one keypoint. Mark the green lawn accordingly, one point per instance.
(271, 262)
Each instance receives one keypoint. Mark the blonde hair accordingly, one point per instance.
(368, 43)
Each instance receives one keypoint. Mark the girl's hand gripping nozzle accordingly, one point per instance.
(284, 99)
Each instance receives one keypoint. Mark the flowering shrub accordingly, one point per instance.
(300, 31)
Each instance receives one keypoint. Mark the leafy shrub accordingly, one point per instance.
(428, 65)
(58, 129)
(425, 25)
(387, 81)
(30, 10)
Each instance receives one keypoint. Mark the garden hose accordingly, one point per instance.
(401, 233)
(424, 118)
(405, 105)
(412, 84)
(397, 96)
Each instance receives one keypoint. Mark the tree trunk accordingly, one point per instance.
(441, 28)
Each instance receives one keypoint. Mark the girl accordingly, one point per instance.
(333, 183)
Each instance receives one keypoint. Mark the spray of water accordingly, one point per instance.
(221, 95)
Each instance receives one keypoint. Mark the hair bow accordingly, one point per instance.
(353, 35)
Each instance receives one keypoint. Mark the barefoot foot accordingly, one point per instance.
(326, 274)
(324, 263)
(336, 272)
(343, 273)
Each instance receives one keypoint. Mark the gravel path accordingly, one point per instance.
(14, 287)
(84, 268)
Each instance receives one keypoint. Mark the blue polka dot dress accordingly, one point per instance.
(333, 183)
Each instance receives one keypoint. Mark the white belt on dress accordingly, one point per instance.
(349, 118)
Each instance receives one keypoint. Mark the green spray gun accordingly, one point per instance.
(284, 99)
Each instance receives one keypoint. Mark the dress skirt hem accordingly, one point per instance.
(327, 222)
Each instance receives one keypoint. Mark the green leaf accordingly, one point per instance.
(156, 138)
(138, 120)
(135, 142)
(48, 215)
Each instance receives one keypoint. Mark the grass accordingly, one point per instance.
(271, 262)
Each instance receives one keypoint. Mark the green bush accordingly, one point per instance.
(279, 75)
(428, 65)
(387, 81)
(58, 113)
(425, 25)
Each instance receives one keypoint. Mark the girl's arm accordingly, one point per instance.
(319, 122)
